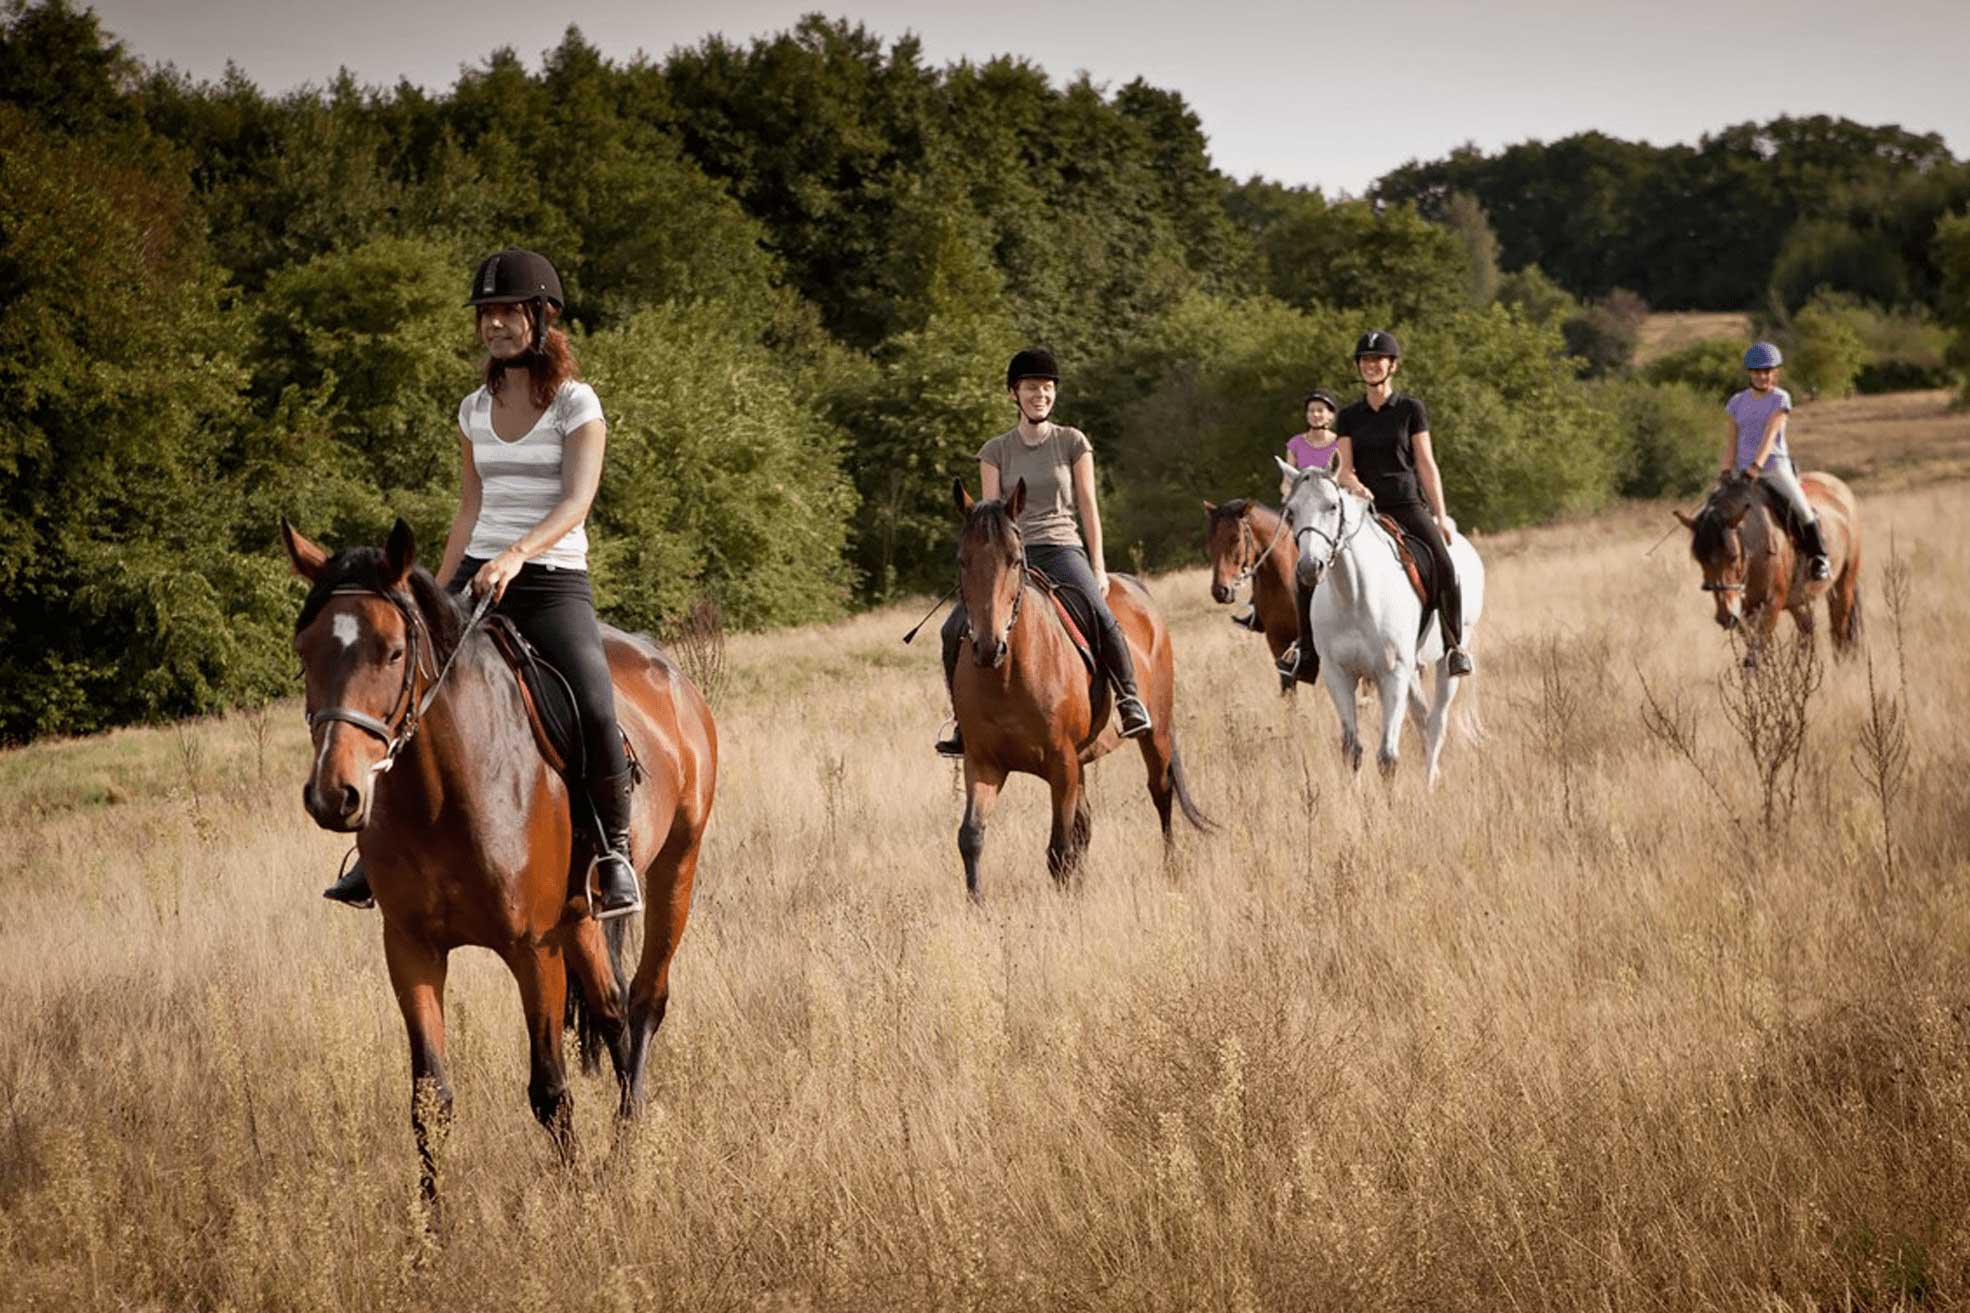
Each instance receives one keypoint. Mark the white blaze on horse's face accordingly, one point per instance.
(345, 629)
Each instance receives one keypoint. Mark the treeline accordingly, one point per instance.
(796, 267)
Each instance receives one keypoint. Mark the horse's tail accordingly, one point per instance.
(1180, 785)
(582, 1010)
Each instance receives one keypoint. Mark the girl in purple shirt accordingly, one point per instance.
(1754, 442)
(1304, 451)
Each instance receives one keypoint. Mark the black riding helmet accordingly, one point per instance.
(515, 277)
(1323, 396)
(1375, 342)
(1033, 362)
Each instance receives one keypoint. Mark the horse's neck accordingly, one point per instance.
(1275, 572)
(461, 752)
(1368, 562)
(1767, 553)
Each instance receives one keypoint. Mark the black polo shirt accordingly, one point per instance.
(1384, 453)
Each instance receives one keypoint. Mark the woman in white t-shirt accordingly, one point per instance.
(531, 442)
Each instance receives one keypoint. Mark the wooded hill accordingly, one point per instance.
(796, 267)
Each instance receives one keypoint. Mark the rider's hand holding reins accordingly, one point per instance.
(496, 574)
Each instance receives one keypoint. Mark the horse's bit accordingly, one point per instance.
(408, 705)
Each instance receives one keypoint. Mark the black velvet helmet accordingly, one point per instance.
(1033, 362)
(1377, 343)
(1321, 395)
(511, 276)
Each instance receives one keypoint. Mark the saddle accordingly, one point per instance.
(1076, 617)
(552, 712)
(1418, 565)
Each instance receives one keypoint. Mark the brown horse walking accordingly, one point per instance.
(1024, 702)
(424, 750)
(1249, 540)
(1752, 568)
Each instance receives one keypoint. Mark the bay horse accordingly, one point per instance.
(1024, 704)
(424, 750)
(1246, 539)
(1368, 622)
(1753, 570)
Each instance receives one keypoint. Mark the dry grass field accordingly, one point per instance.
(1576, 1031)
(1673, 330)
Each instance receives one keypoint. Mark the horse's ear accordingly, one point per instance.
(399, 554)
(309, 561)
(960, 496)
(1286, 470)
(1017, 502)
(1334, 466)
(1688, 521)
(1210, 507)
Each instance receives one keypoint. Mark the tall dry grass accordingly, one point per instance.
(1553, 1037)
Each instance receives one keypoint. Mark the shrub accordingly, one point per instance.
(1826, 353)
(1666, 434)
(1715, 369)
(1604, 334)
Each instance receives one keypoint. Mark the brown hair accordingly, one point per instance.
(547, 369)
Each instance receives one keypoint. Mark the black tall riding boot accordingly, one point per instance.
(1817, 566)
(616, 893)
(953, 637)
(1119, 665)
(1301, 662)
(351, 887)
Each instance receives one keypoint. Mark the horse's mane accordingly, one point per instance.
(366, 567)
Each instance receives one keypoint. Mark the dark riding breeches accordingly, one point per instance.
(555, 611)
(1068, 566)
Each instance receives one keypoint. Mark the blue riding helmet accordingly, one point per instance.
(1763, 355)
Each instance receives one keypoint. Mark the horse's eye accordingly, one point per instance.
(396, 655)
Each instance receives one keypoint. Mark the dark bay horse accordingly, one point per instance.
(1249, 540)
(1752, 568)
(1023, 701)
(424, 751)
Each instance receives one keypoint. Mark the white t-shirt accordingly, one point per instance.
(521, 480)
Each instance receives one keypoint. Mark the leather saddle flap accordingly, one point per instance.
(1076, 615)
(550, 703)
(1416, 563)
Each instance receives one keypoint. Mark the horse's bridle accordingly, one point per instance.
(1335, 541)
(1245, 535)
(1019, 596)
(408, 709)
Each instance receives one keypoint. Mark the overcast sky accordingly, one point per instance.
(1316, 93)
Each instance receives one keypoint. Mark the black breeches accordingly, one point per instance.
(555, 611)
(1415, 518)
(1068, 566)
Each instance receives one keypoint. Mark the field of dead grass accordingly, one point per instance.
(1571, 1032)
(1671, 331)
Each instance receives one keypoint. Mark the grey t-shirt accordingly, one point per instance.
(1048, 468)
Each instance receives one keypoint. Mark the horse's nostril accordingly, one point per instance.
(352, 799)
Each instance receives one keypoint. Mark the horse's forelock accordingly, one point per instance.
(366, 567)
(1710, 535)
(990, 521)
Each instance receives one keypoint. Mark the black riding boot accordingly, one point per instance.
(1120, 669)
(953, 640)
(1817, 566)
(351, 887)
(616, 893)
(1300, 661)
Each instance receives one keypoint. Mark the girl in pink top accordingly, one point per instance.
(1304, 451)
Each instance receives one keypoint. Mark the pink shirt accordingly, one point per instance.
(1305, 455)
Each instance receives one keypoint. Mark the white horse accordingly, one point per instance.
(1367, 623)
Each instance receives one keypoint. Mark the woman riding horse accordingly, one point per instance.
(530, 449)
(1383, 444)
(1057, 463)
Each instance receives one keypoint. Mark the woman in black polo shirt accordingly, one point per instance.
(1384, 453)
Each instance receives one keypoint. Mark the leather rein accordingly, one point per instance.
(408, 709)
